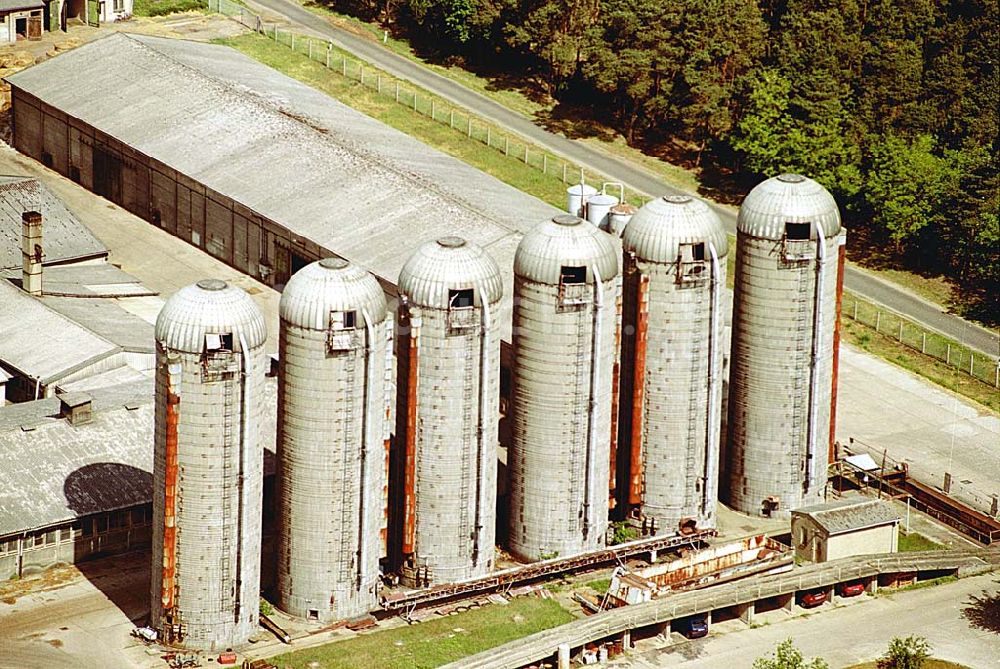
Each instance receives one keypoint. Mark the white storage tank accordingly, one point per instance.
(448, 353)
(576, 196)
(330, 456)
(675, 273)
(207, 467)
(781, 366)
(566, 283)
(599, 210)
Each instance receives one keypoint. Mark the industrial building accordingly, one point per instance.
(566, 287)
(55, 278)
(333, 443)
(208, 468)
(278, 175)
(789, 276)
(845, 527)
(75, 481)
(444, 480)
(668, 446)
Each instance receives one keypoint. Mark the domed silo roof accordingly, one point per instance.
(330, 284)
(450, 263)
(788, 198)
(565, 241)
(657, 230)
(209, 306)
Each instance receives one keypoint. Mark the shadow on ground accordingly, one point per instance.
(983, 611)
(112, 485)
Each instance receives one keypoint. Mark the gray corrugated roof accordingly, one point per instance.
(63, 236)
(849, 514)
(328, 173)
(39, 342)
(57, 471)
(105, 318)
(87, 280)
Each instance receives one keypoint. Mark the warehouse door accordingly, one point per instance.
(107, 175)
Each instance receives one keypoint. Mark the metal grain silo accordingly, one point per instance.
(207, 467)
(330, 455)
(448, 354)
(781, 366)
(675, 272)
(566, 283)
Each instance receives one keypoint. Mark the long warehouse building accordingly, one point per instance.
(254, 167)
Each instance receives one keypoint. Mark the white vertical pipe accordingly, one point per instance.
(814, 356)
(241, 505)
(484, 389)
(711, 435)
(366, 430)
(592, 403)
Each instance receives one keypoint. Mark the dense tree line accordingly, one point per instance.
(892, 105)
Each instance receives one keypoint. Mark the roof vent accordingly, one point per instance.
(77, 408)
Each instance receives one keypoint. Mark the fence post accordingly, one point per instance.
(545, 163)
(923, 343)
(581, 175)
(972, 363)
(996, 376)
(415, 101)
(564, 172)
(378, 84)
(525, 154)
(433, 110)
(878, 319)
(901, 330)
(506, 146)
(343, 63)
(948, 355)
(855, 310)
(397, 91)
(361, 72)
(328, 58)
(293, 40)
(470, 126)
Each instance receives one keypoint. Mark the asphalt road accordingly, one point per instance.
(855, 632)
(635, 178)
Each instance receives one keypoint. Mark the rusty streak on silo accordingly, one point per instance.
(784, 311)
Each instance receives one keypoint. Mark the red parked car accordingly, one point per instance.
(812, 599)
(851, 589)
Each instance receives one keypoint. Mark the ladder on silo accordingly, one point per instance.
(800, 375)
(226, 585)
(694, 415)
(585, 322)
(469, 398)
(345, 477)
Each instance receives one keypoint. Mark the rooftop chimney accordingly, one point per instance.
(31, 252)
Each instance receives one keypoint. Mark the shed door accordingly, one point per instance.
(93, 12)
(35, 27)
(107, 175)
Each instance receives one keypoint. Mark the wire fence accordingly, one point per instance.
(891, 324)
(458, 119)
